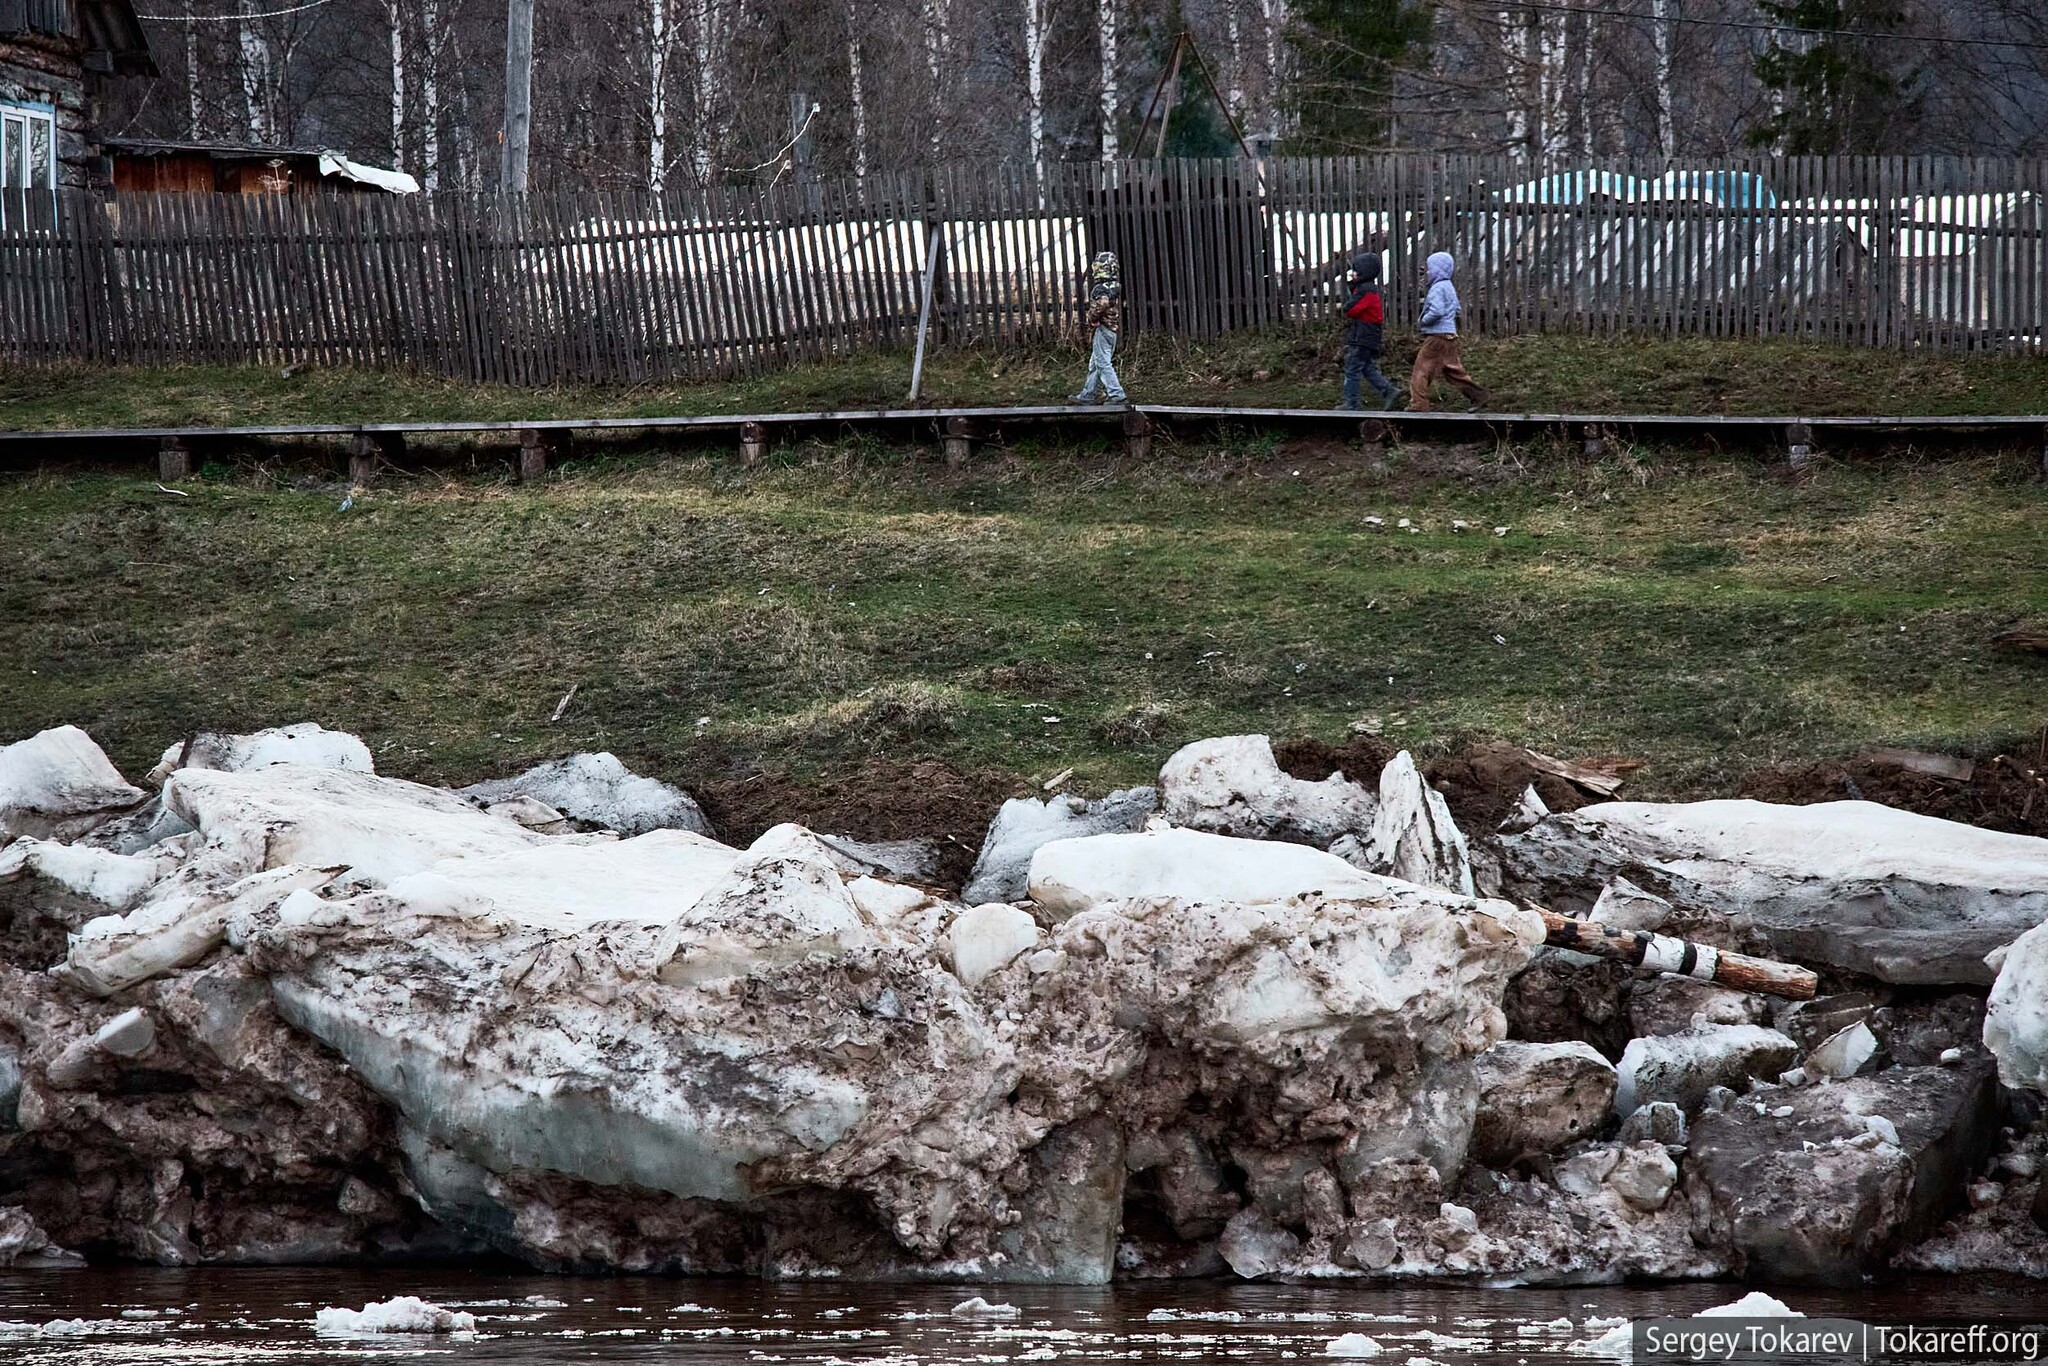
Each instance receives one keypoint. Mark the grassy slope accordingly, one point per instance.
(1525, 373)
(844, 605)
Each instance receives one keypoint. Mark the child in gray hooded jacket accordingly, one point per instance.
(1439, 358)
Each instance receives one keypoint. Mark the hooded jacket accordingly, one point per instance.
(1105, 292)
(1439, 306)
(1364, 312)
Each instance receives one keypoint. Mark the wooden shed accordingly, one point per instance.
(150, 165)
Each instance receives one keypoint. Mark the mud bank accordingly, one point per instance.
(1245, 1022)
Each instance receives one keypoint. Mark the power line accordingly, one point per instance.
(1775, 28)
(231, 18)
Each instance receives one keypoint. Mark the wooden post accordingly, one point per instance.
(1596, 441)
(366, 449)
(173, 460)
(933, 243)
(753, 442)
(518, 129)
(1661, 953)
(535, 449)
(960, 438)
(1137, 435)
(1798, 445)
(362, 461)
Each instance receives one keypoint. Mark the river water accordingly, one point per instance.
(148, 1315)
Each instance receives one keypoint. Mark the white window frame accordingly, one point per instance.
(14, 172)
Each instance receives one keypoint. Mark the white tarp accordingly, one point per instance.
(396, 182)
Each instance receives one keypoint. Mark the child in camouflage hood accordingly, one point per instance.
(1105, 319)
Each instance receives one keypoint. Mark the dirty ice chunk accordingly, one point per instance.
(305, 743)
(377, 828)
(651, 879)
(598, 789)
(1233, 785)
(1072, 875)
(405, 1314)
(54, 776)
(985, 938)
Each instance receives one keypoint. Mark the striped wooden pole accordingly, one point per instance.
(1662, 953)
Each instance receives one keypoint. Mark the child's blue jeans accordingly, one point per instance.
(1361, 364)
(1101, 373)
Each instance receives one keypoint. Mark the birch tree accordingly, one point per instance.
(938, 45)
(1112, 99)
(1034, 85)
(713, 23)
(193, 113)
(394, 17)
(1274, 13)
(857, 89)
(1233, 32)
(660, 41)
(430, 96)
(256, 77)
(1514, 38)
(1551, 88)
(1660, 32)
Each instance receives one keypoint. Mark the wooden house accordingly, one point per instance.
(54, 54)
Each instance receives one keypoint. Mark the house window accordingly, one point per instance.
(28, 147)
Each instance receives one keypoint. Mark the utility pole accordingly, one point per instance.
(518, 93)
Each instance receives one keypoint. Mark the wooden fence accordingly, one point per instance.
(1895, 252)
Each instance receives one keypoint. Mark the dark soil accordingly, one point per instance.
(1359, 758)
(2008, 791)
(883, 799)
(1482, 783)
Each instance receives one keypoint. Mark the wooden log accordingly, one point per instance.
(1798, 445)
(536, 448)
(1682, 957)
(362, 461)
(173, 460)
(1137, 436)
(366, 449)
(753, 442)
(961, 434)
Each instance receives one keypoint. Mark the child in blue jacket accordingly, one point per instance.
(1439, 358)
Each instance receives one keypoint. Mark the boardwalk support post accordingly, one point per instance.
(536, 448)
(753, 442)
(1798, 445)
(173, 460)
(1137, 435)
(961, 434)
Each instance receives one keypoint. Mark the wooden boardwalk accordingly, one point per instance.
(962, 430)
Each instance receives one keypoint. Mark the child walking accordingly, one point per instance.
(1365, 332)
(1105, 318)
(1438, 325)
